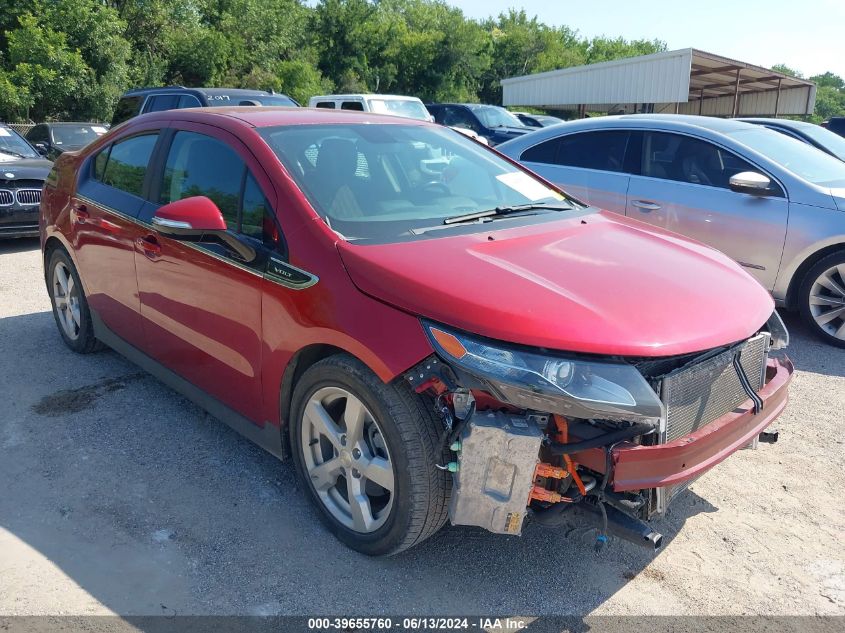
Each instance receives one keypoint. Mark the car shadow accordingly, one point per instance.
(808, 352)
(19, 245)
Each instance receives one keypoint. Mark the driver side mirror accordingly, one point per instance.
(751, 182)
(195, 217)
(41, 148)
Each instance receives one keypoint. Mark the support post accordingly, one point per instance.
(777, 98)
(700, 101)
(736, 93)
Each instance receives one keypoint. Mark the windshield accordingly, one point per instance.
(400, 107)
(13, 147)
(385, 182)
(76, 136)
(827, 139)
(494, 116)
(801, 159)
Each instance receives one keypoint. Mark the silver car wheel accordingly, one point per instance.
(347, 461)
(827, 301)
(66, 300)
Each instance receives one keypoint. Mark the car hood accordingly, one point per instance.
(25, 169)
(595, 283)
(514, 131)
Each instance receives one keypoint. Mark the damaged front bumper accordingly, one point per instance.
(637, 467)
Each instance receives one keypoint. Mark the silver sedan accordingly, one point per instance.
(772, 203)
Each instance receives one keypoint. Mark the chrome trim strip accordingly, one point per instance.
(173, 224)
(754, 266)
(35, 194)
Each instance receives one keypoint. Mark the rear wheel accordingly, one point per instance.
(823, 298)
(70, 307)
(366, 452)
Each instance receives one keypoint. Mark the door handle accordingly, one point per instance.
(80, 213)
(645, 205)
(150, 246)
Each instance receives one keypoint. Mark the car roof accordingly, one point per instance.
(61, 123)
(207, 91)
(787, 123)
(366, 95)
(274, 115)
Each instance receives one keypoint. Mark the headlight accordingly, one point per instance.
(554, 384)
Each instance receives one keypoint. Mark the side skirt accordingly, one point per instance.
(268, 437)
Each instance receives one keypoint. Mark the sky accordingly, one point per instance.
(806, 35)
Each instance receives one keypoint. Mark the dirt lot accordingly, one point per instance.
(118, 496)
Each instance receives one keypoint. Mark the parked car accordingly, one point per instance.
(51, 139)
(835, 124)
(409, 315)
(809, 133)
(537, 120)
(397, 105)
(770, 202)
(493, 123)
(22, 175)
(142, 100)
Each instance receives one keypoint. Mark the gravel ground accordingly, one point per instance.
(119, 496)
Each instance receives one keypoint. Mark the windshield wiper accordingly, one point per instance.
(11, 153)
(518, 208)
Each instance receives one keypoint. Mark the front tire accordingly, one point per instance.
(70, 307)
(366, 452)
(822, 297)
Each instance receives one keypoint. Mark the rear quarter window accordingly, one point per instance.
(127, 107)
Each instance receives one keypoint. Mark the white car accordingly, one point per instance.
(397, 105)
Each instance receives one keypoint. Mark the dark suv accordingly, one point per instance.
(494, 123)
(22, 175)
(835, 124)
(142, 100)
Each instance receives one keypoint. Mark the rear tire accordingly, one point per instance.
(366, 452)
(70, 307)
(822, 297)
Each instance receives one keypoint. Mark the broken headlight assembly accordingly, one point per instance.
(571, 386)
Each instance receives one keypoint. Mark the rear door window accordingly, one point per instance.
(352, 105)
(125, 167)
(325, 104)
(604, 150)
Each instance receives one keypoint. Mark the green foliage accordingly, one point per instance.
(72, 59)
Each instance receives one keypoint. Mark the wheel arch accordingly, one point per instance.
(800, 272)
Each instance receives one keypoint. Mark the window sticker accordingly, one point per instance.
(524, 184)
(98, 129)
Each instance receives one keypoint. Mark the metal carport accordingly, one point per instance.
(686, 81)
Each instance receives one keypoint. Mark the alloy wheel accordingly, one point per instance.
(827, 301)
(66, 300)
(347, 461)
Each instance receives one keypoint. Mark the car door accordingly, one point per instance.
(589, 165)
(105, 226)
(683, 186)
(200, 301)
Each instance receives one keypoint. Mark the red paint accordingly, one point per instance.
(606, 286)
(199, 212)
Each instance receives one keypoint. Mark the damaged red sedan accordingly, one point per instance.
(430, 331)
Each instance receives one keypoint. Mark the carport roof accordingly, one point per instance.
(679, 76)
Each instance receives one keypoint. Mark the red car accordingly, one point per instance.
(429, 330)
